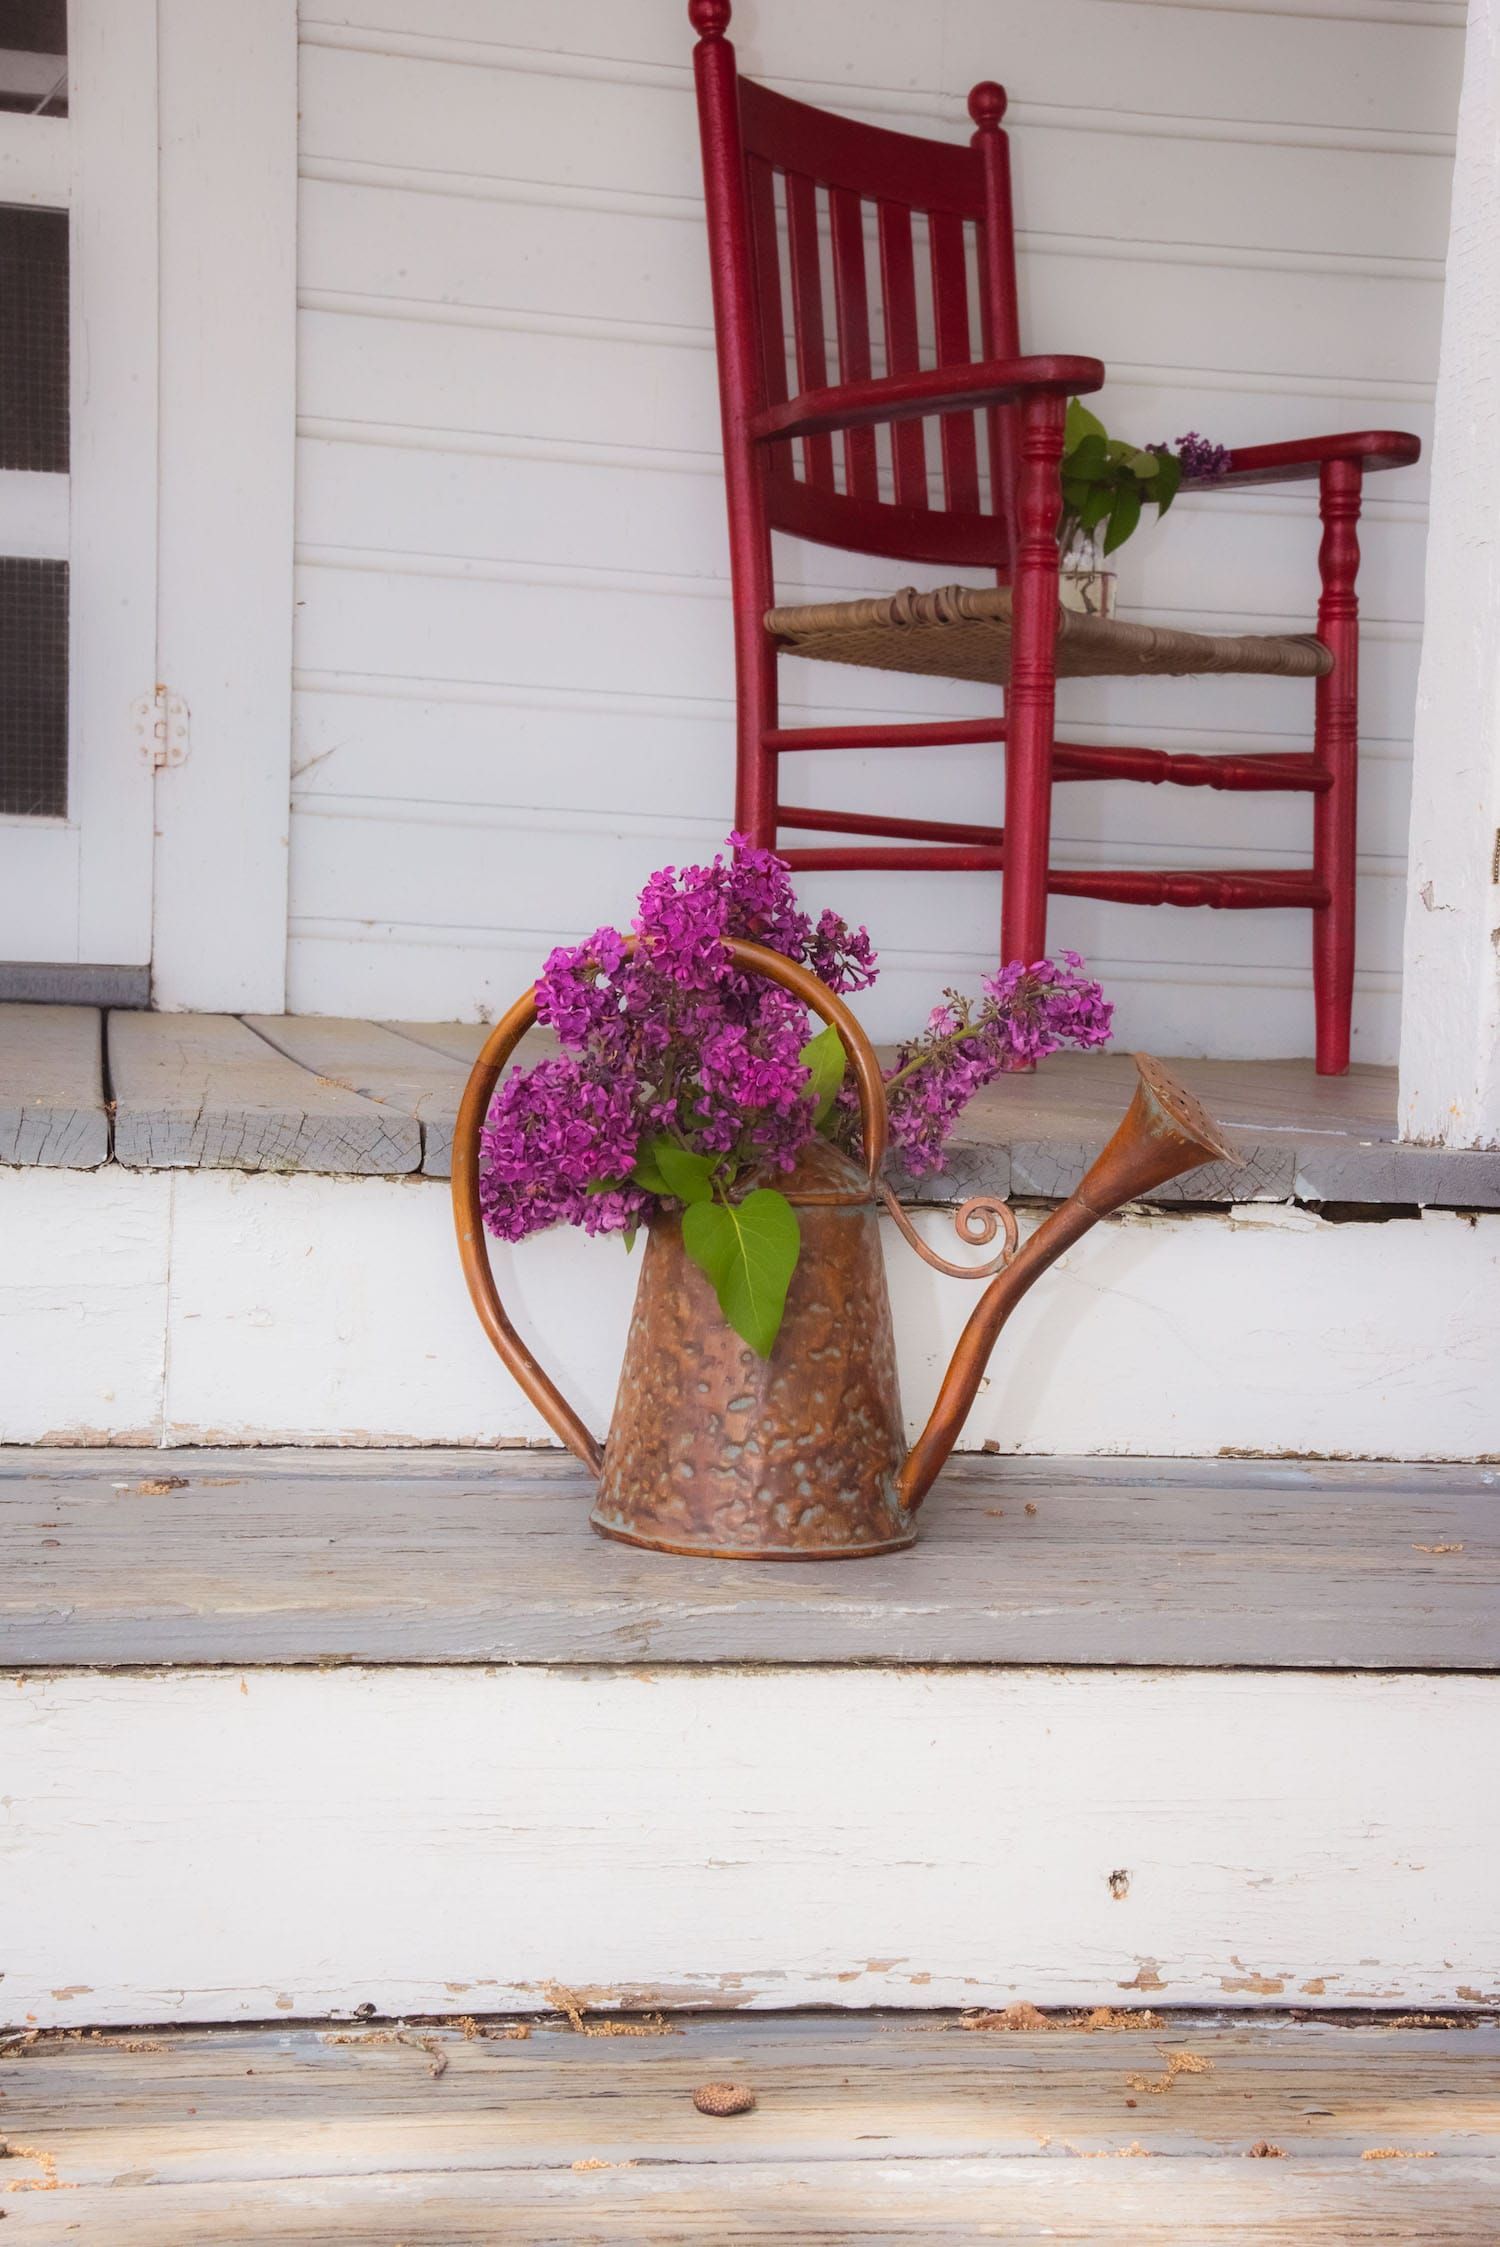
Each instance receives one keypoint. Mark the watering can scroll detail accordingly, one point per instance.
(715, 1451)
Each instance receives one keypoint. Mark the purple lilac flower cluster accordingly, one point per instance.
(668, 1039)
(1202, 460)
(1026, 1013)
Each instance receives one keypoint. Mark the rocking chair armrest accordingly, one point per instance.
(906, 397)
(1305, 457)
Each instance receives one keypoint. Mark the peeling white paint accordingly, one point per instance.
(329, 1839)
(331, 1310)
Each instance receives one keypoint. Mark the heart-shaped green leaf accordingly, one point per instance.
(748, 1250)
(663, 1167)
(1080, 423)
(825, 1061)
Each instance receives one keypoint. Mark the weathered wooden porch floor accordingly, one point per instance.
(1141, 2128)
(314, 1093)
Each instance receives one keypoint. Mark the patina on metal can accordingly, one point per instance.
(715, 1450)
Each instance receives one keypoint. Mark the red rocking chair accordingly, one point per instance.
(768, 162)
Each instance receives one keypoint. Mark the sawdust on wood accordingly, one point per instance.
(1022, 2017)
(1396, 2153)
(48, 2181)
(157, 1486)
(1437, 1548)
(1263, 2150)
(1178, 2063)
(572, 2005)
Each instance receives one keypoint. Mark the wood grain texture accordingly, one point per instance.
(444, 1557)
(335, 1093)
(424, 1839)
(52, 1087)
(252, 2106)
(203, 1091)
(837, 2204)
(380, 1065)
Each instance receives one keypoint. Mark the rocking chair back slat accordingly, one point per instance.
(851, 290)
(813, 178)
(807, 315)
(950, 304)
(898, 291)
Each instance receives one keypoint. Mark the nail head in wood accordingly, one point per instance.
(723, 2098)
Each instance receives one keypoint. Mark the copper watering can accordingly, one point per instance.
(802, 1456)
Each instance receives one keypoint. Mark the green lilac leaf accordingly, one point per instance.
(1099, 504)
(825, 1061)
(688, 1176)
(1086, 459)
(1080, 424)
(647, 1173)
(628, 1237)
(1164, 491)
(1123, 517)
(748, 1251)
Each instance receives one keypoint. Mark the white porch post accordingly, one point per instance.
(1450, 1019)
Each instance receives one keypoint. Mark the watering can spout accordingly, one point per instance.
(1164, 1132)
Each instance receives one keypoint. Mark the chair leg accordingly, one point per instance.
(1031, 703)
(1336, 746)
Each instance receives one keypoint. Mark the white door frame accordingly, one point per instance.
(79, 888)
(178, 161)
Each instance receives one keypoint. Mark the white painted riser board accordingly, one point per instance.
(1227, 65)
(443, 1841)
(222, 1308)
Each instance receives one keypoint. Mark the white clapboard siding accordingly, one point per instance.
(230, 1309)
(418, 1840)
(514, 673)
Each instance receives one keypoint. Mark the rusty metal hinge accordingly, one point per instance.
(159, 722)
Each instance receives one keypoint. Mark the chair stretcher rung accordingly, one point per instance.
(1076, 760)
(896, 858)
(1242, 889)
(874, 823)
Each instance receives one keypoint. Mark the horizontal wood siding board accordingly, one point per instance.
(252, 2105)
(453, 1558)
(52, 1087)
(203, 1091)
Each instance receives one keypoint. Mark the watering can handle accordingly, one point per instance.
(474, 1107)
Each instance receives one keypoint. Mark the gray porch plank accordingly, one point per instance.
(203, 1091)
(261, 1557)
(909, 2130)
(380, 1065)
(825, 2204)
(459, 1041)
(52, 1087)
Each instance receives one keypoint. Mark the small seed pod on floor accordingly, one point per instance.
(723, 2098)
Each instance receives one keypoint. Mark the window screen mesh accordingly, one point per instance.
(34, 57)
(34, 340)
(33, 687)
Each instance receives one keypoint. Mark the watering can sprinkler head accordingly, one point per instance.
(1165, 1131)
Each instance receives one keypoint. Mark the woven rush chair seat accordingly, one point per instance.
(964, 632)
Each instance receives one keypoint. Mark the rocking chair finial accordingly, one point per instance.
(987, 105)
(709, 18)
